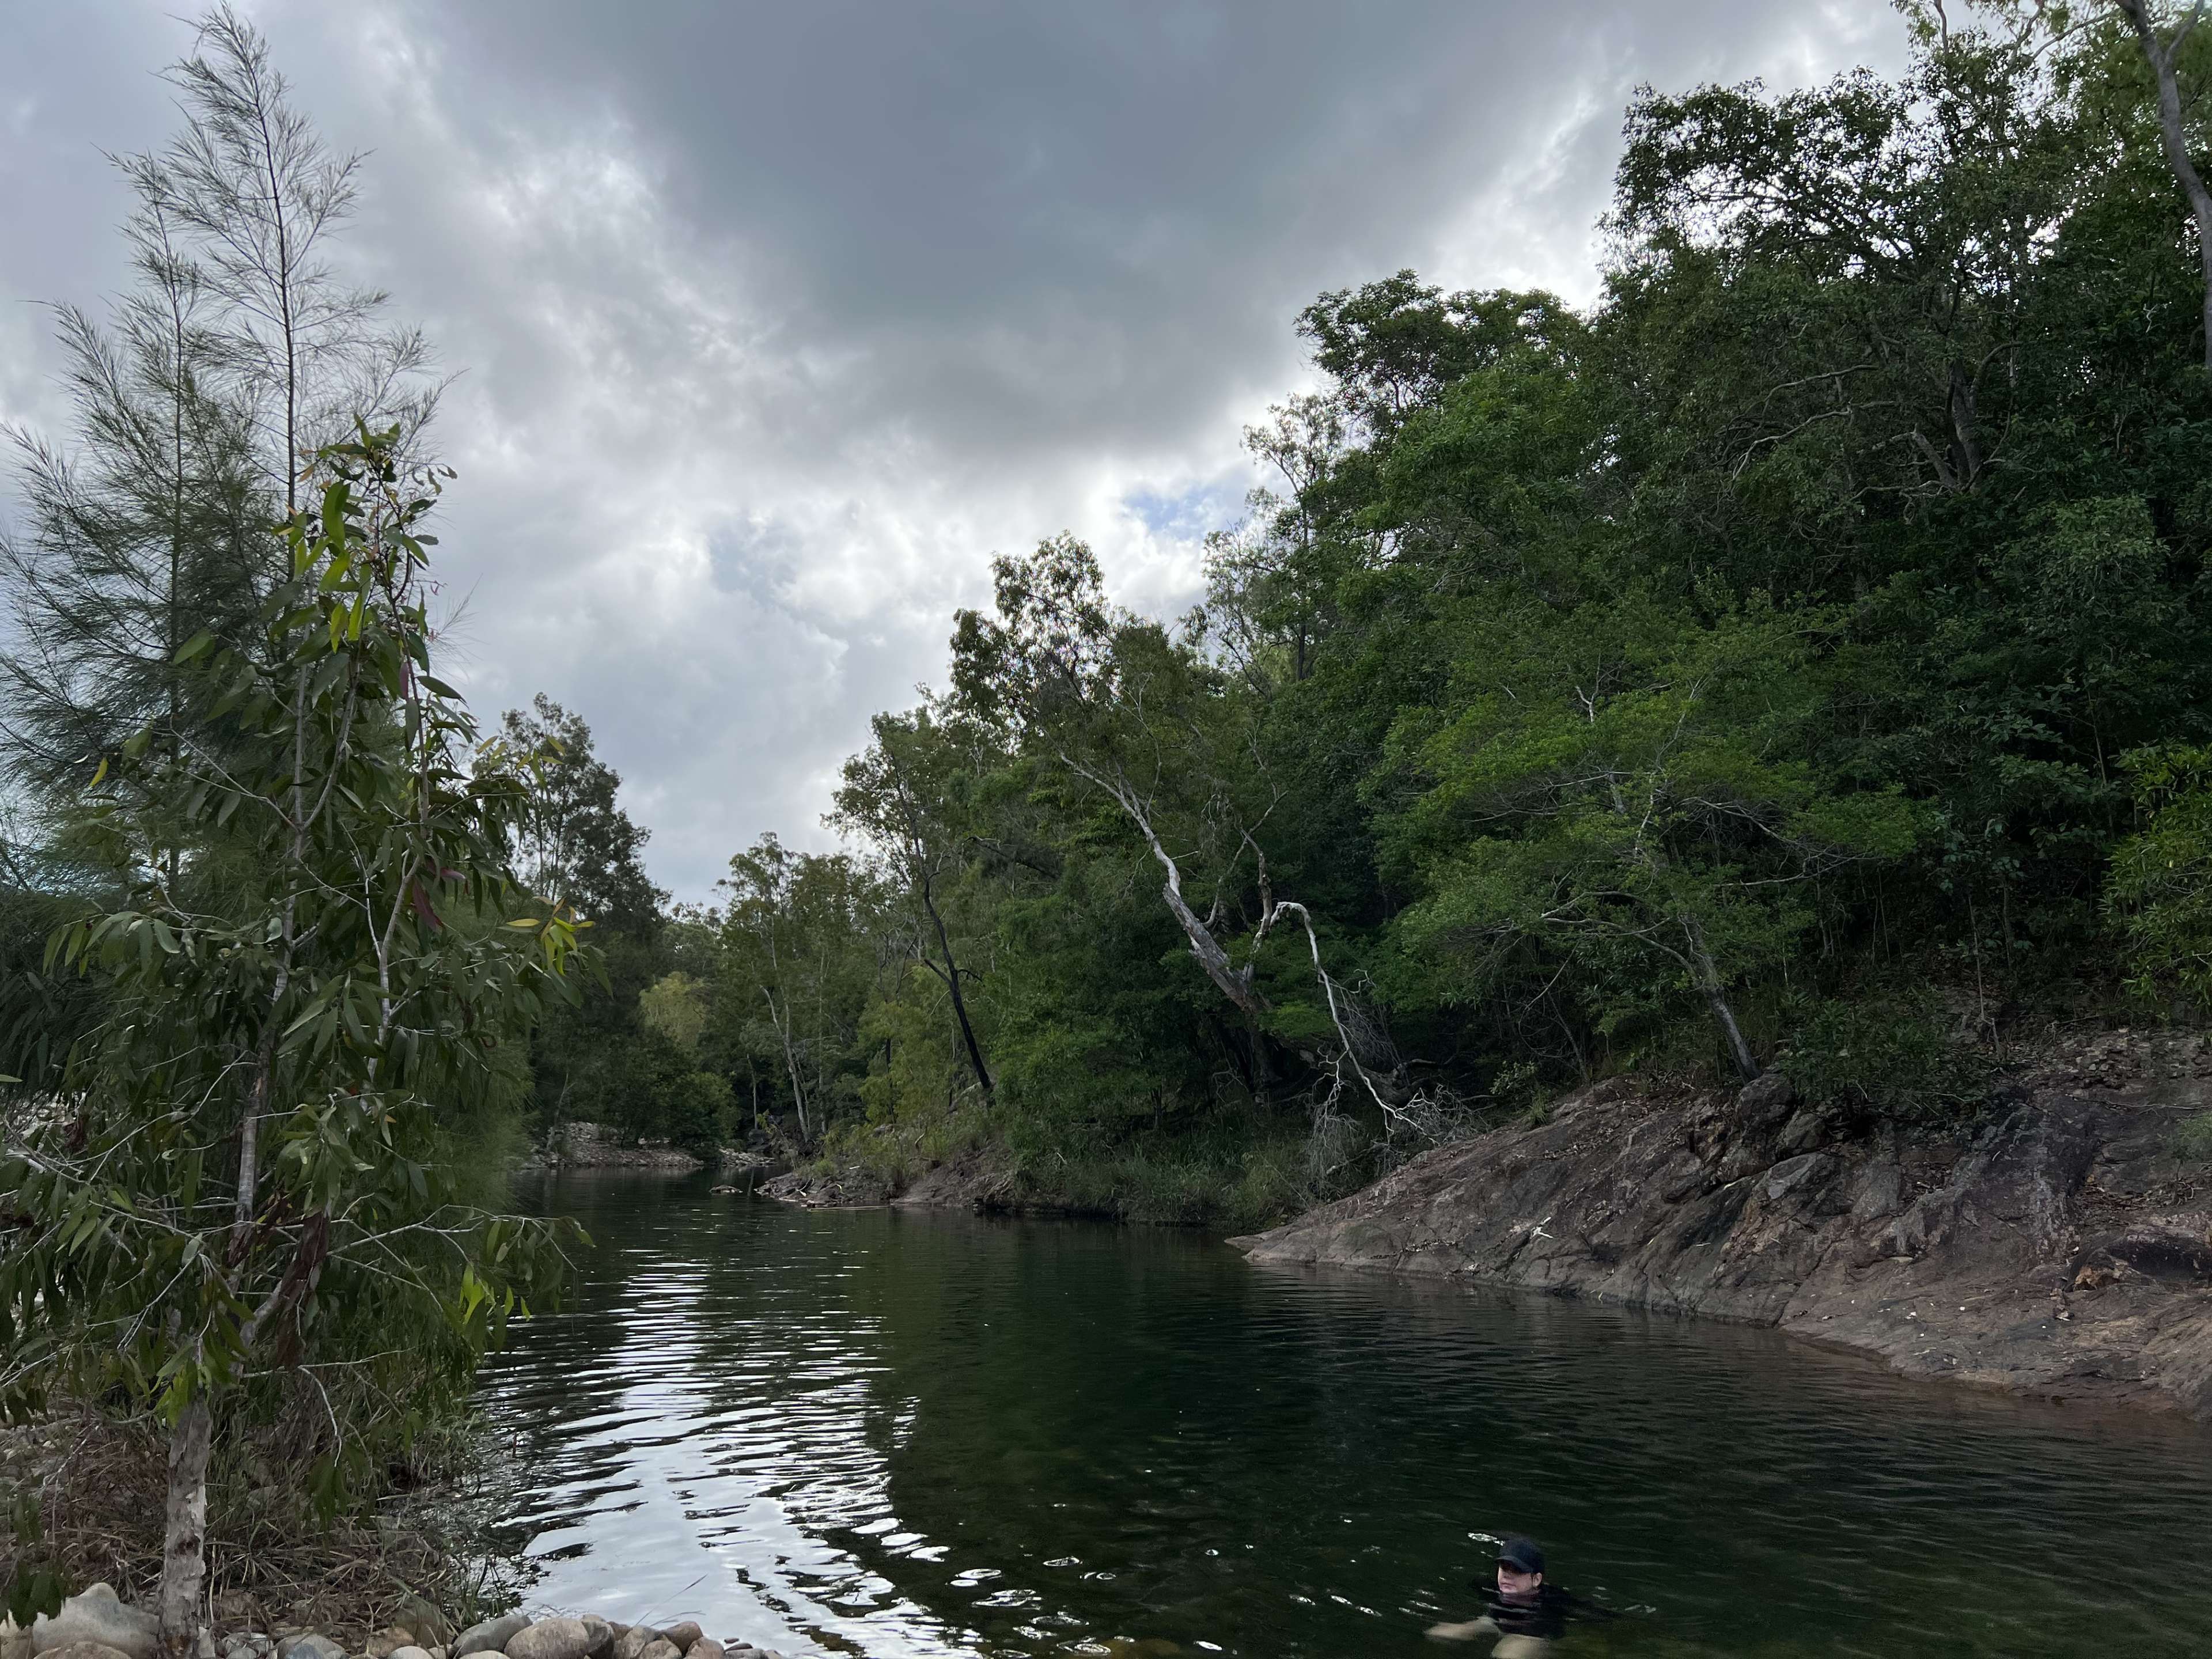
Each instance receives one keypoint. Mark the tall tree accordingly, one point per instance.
(574, 844)
(243, 1161)
(900, 793)
(2163, 40)
(262, 195)
(238, 350)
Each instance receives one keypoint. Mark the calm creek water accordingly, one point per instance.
(902, 1434)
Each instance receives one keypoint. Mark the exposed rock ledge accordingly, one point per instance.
(2062, 1251)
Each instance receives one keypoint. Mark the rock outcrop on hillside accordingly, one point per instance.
(2063, 1249)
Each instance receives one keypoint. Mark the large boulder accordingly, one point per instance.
(99, 1615)
(633, 1642)
(681, 1636)
(489, 1636)
(1764, 1102)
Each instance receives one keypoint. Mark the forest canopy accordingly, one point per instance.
(1802, 640)
(1806, 637)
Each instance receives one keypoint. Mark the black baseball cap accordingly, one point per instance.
(1521, 1554)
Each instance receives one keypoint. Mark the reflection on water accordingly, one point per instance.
(898, 1434)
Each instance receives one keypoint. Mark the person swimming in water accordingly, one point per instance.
(1526, 1613)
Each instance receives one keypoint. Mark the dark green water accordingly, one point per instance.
(900, 1434)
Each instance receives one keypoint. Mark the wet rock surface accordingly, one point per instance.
(2058, 1248)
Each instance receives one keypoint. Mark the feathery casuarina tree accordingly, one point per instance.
(318, 964)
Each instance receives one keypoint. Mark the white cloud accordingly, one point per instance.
(775, 325)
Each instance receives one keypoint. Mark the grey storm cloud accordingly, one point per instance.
(772, 323)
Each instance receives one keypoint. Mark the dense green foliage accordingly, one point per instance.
(1803, 649)
(267, 972)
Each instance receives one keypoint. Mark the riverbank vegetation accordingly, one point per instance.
(271, 971)
(1799, 653)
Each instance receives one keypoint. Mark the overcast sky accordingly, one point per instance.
(774, 322)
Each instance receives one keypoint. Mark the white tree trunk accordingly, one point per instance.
(1709, 981)
(183, 1532)
(2160, 53)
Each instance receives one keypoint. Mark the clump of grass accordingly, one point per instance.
(87, 1492)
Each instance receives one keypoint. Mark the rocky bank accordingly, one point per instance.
(584, 1146)
(96, 1624)
(2062, 1249)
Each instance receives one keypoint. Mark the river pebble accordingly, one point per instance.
(553, 1639)
(489, 1636)
(68, 1634)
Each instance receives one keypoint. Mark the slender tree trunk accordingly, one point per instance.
(1232, 982)
(184, 1531)
(952, 984)
(790, 1060)
(1709, 981)
(2160, 54)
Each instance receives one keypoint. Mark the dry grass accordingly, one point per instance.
(272, 1566)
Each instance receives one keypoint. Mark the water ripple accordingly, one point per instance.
(914, 1436)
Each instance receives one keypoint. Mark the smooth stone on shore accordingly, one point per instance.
(490, 1636)
(247, 1646)
(681, 1636)
(389, 1640)
(705, 1647)
(411, 1651)
(98, 1616)
(661, 1649)
(602, 1635)
(634, 1641)
(309, 1646)
(551, 1638)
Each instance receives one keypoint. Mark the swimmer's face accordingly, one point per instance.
(1515, 1585)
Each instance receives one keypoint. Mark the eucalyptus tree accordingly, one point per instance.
(904, 794)
(320, 960)
(2163, 34)
(1175, 746)
(574, 844)
(800, 957)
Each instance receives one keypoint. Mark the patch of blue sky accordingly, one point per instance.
(1188, 516)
